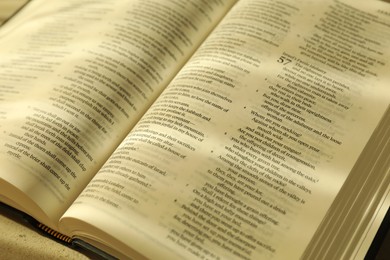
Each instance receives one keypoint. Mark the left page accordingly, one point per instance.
(75, 76)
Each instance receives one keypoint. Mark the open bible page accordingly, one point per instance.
(244, 152)
(75, 76)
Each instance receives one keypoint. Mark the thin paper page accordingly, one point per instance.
(76, 76)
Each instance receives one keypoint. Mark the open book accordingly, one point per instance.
(199, 129)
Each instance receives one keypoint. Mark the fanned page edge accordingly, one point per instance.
(359, 209)
(379, 247)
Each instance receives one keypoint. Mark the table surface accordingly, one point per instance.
(19, 241)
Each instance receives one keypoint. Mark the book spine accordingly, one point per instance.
(53, 233)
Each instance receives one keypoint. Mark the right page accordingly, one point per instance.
(245, 151)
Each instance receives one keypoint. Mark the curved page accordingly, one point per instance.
(75, 76)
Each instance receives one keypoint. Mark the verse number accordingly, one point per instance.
(284, 60)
